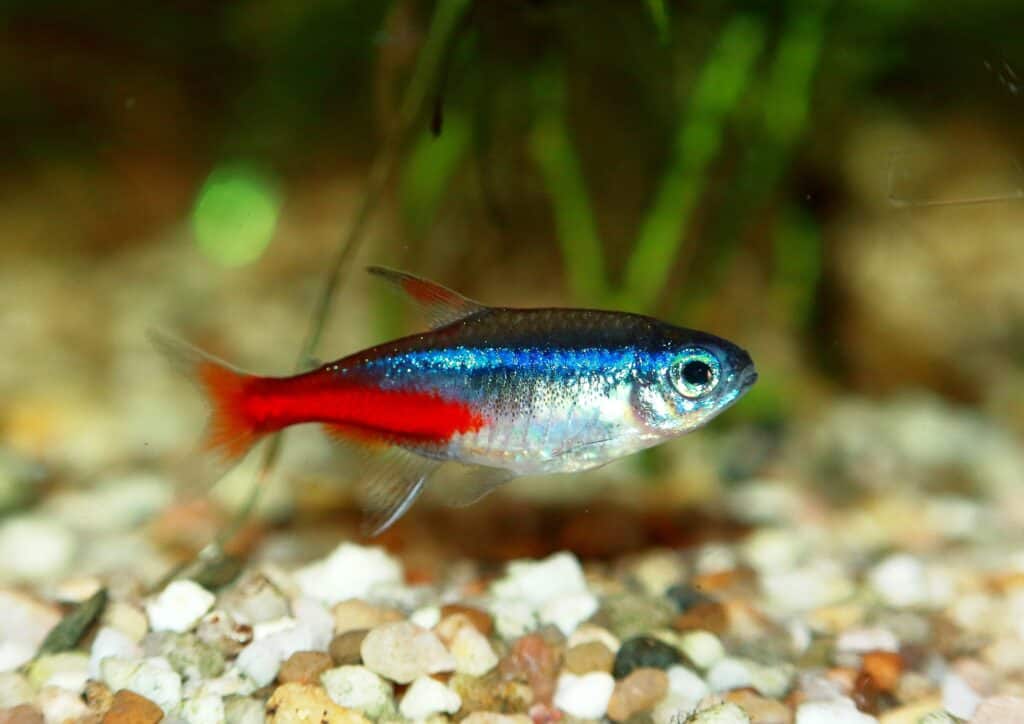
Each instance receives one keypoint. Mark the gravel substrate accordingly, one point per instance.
(783, 625)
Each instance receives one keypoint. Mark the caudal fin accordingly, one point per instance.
(230, 433)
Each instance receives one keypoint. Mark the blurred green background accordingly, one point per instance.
(834, 185)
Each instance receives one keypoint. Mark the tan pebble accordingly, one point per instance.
(21, 714)
(591, 656)
(493, 717)
(533, 660)
(344, 648)
(884, 668)
(588, 632)
(491, 693)
(481, 619)
(304, 667)
(356, 614)
(130, 708)
(640, 691)
(307, 704)
(911, 713)
(98, 696)
(760, 709)
(710, 616)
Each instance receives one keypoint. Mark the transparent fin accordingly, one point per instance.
(439, 304)
(389, 478)
(459, 485)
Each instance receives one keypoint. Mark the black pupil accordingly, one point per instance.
(697, 373)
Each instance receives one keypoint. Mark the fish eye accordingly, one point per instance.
(695, 373)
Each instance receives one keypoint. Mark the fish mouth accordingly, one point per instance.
(748, 378)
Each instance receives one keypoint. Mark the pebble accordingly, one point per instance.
(478, 617)
(999, 709)
(709, 615)
(189, 656)
(304, 667)
(513, 618)
(493, 717)
(702, 648)
(131, 708)
(244, 710)
(307, 704)
(840, 710)
(585, 697)
(356, 687)
(533, 660)
(203, 710)
(111, 642)
(628, 614)
(426, 616)
(152, 678)
(657, 572)
(60, 705)
(350, 571)
(128, 619)
(686, 684)
(14, 690)
(220, 630)
(491, 693)
(761, 710)
(403, 651)
(816, 584)
(730, 673)
(345, 648)
(356, 614)
(254, 599)
(724, 713)
(179, 606)
(569, 611)
(22, 714)
(591, 656)
(644, 652)
(638, 692)
(901, 580)
(590, 632)
(884, 667)
(35, 548)
(23, 626)
(426, 697)
(958, 697)
(538, 582)
(862, 640)
(472, 652)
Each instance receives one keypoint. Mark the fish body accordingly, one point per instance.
(503, 392)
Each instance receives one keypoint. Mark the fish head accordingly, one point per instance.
(690, 377)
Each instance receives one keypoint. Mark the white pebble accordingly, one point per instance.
(152, 678)
(538, 582)
(179, 606)
(729, 674)
(813, 585)
(261, 659)
(111, 642)
(569, 611)
(727, 713)
(356, 687)
(864, 640)
(584, 696)
(351, 571)
(686, 684)
(315, 617)
(832, 711)
(426, 617)
(998, 709)
(60, 705)
(958, 698)
(34, 548)
(901, 580)
(512, 618)
(14, 690)
(427, 697)
(402, 651)
(592, 632)
(472, 652)
(203, 710)
(127, 619)
(702, 648)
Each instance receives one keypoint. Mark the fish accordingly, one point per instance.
(486, 395)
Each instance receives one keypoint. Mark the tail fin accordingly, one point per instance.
(230, 433)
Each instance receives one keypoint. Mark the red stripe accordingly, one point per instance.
(272, 404)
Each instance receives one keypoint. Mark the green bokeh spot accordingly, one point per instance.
(235, 214)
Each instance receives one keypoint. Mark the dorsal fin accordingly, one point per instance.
(440, 304)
